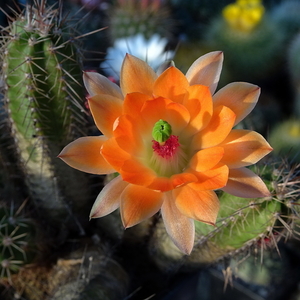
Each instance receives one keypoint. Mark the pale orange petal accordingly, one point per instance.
(171, 84)
(206, 159)
(240, 97)
(84, 154)
(105, 110)
(180, 228)
(202, 206)
(217, 130)
(173, 113)
(136, 76)
(245, 183)
(212, 179)
(139, 203)
(206, 70)
(198, 102)
(134, 102)
(96, 83)
(114, 155)
(243, 148)
(109, 198)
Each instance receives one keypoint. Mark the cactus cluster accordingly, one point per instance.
(43, 106)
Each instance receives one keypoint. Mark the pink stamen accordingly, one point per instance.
(166, 149)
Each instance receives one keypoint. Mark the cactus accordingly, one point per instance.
(43, 102)
(285, 139)
(250, 40)
(148, 17)
(242, 225)
(16, 240)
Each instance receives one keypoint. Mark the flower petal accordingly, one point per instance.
(243, 148)
(180, 228)
(84, 154)
(173, 113)
(96, 83)
(206, 159)
(202, 206)
(139, 203)
(136, 76)
(105, 110)
(137, 173)
(245, 183)
(198, 102)
(240, 97)
(212, 179)
(109, 198)
(206, 70)
(114, 155)
(171, 84)
(217, 130)
(164, 184)
(127, 134)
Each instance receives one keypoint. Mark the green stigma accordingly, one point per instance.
(161, 131)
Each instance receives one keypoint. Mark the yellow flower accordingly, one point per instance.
(172, 143)
(244, 15)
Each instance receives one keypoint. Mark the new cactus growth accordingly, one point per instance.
(43, 98)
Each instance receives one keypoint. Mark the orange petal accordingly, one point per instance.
(96, 83)
(206, 70)
(114, 155)
(173, 113)
(164, 184)
(171, 84)
(243, 148)
(240, 97)
(127, 134)
(136, 76)
(137, 173)
(206, 159)
(180, 228)
(245, 183)
(134, 102)
(105, 110)
(198, 102)
(84, 154)
(199, 205)
(217, 130)
(109, 198)
(139, 203)
(212, 179)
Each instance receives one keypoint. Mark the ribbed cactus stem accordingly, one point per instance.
(44, 99)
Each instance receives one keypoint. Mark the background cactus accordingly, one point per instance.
(249, 38)
(147, 17)
(43, 102)
(17, 240)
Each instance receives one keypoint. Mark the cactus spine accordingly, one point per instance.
(43, 100)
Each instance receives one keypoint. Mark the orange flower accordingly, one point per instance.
(172, 143)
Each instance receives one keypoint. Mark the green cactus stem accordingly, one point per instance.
(44, 102)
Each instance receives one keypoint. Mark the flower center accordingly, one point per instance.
(168, 157)
(166, 149)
